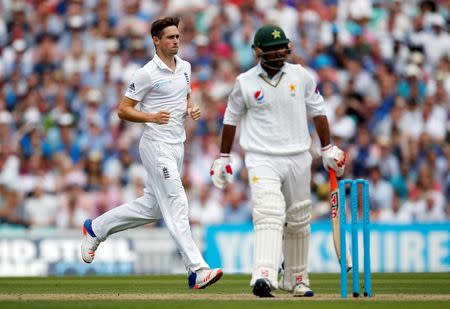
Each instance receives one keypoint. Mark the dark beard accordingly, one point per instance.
(272, 67)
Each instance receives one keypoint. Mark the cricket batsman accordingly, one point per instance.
(272, 102)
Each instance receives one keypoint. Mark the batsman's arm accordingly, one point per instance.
(334, 201)
(127, 111)
(323, 129)
(236, 108)
(228, 134)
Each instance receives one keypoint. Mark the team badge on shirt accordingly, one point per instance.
(255, 179)
(259, 96)
(292, 89)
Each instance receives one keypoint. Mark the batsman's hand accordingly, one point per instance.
(334, 158)
(162, 117)
(194, 112)
(221, 171)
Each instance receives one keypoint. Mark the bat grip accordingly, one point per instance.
(333, 179)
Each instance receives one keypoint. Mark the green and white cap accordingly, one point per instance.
(269, 35)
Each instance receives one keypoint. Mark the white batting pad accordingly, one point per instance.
(296, 244)
(268, 220)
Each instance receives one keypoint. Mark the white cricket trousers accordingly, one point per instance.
(164, 197)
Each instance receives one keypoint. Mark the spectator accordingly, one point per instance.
(381, 193)
(135, 185)
(361, 153)
(412, 87)
(400, 182)
(395, 215)
(63, 138)
(432, 209)
(75, 205)
(110, 192)
(94, 171)
(12, 211)
(205, 209)
(436, 41)
(40, 209)
(237, 209)
(389, 163)
(6, 122)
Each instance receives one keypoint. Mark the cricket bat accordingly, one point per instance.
(334, 201)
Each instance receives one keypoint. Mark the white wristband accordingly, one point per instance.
(225, 157)
(325, 148)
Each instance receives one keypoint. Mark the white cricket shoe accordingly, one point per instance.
(203, 278)
(89, 243)
(302, 290)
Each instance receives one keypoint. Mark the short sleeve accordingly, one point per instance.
(139, 85)
(189, 72)
(313, 98)
(236, 106)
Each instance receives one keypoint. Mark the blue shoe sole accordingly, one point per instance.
(192, 277)
(307, 294)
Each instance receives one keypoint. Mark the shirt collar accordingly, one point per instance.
(261, 72)
(164, 66)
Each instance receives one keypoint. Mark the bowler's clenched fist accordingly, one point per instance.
(162, 117)
(194, 112)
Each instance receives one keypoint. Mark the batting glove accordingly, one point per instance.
(221, 172)
(334, 158)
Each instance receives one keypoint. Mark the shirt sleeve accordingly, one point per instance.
(313, 99)
(236, 106)
(189, 72)
(139, 85)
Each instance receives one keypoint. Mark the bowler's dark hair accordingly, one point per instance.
(160, 24)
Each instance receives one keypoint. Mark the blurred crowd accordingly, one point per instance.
(383, 68)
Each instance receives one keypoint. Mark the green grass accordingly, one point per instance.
(224, 304)
(391, 290)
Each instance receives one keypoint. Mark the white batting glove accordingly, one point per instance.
(221, 172)
(334, 158)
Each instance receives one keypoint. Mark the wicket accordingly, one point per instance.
(354, 229)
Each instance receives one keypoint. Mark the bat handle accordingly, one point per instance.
(333, 179)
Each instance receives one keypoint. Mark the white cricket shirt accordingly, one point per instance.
(158, 88)
(274, 112)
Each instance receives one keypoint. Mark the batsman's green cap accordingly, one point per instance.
(269, 35)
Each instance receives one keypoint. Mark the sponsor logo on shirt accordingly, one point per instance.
(131, 87)
(187, 77)
(259, 96)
